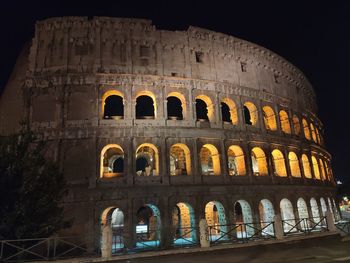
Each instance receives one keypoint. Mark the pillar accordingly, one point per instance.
(203, 233)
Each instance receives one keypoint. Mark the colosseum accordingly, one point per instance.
(156, 130)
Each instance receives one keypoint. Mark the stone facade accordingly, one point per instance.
(60, 86)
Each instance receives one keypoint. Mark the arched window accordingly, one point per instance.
(210, 161)
(259, 162)
(183, 224)
(284, 120)
(313, 133)
(176, 106)
(294, 164)
(112, 161)
(229, 111)
(315, 167)
(236, 164)
(114, 217)
(287, 214)
(296, 125)
(180, 160)
(269, 118)
(306, 166)
(328, 175)
(303, 213)
(112, 105)
(147, 160)
(267, 215)
(322, 170)
(242, 216)
(148, 228)
(250, 113)
(145, 105)
(204, 108)
(318, 135)
(216, 219)
(306, 129)
(279, 163)
(315, 211)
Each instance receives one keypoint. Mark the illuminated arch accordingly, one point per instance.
(314, 210)
(313, 132)
(306, 166)
(323, 206)
(180, 159)
(236, 164)
(303, 213)
(109, 154)
(294, 164)
(279, 163)
(318, 135)
(327, 171)
(109, 94)
(233, 110)
(149, 94)
(315, 167)
(209, 159)
(322, 169)
(149, 153)
(296, 125)
(243, 215)
(114, 217)
(250, 113)
(269, 118)
(306, 129)
(216, 220)
(184, 224)
(259, 162)
(209, 104)
(182, 100)
(267, 215)
(149, 218)
(287, 214)
(284, 120)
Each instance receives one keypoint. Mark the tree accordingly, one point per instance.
(31, 189)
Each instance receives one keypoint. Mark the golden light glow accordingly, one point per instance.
(269, 118)
(315, 167)
(182, 157)
(252, 111)
(106, 95)
(306, 166)
(183, 101)
(296, 125)
(142, 148)
(306, 129)
(322, 170)
(284, 120)
(313, 133)
(294, 164)
(103, 171)
(210, 106)
(279, 163)
(210, 161)
(259, 162)
(151, 95)
(236, 164)
(233, 110)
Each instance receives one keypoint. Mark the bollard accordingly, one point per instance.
(106, 246)
(330, 222)
(203, 233)
(279, 233)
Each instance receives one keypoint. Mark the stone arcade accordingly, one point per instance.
(156, 130)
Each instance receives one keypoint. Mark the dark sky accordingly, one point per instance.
(313, 35)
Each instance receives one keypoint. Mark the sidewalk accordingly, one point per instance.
(149, 254)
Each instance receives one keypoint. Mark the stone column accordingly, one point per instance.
(203, 233)
(330, 222)
(279, 232)
(106, 246)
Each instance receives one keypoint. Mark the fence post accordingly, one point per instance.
(279, 233)
(330, 222)
(203, 233)
(106, 246)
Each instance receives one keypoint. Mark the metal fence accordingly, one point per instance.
(343, 227)
(186, 237)
(41, 249)
(304, 225)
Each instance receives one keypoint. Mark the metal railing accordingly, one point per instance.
(185, 237)
(343, 227)
(117, 240)
(148, 241)
(304, 225)
(41, 249)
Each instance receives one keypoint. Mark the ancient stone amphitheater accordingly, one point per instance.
(155, 130)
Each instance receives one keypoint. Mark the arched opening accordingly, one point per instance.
(145, 105)
(216, 220)
(294, 164)
(112, 161)
(313, 132)
(147, 160)
(184, 225)
(243, 217)
(229, 111)
(327, 171)
(279, 163)
(210, 161)
(306, 166)
(148, 228)
(296, 125)
(287, 215)
(267, 215)
(204, 108)
(180, 160)
(250, 113)
(315, 167)
(174, 108)
(322, 169)
(113, 218)
(259, 163)
(331, 207)
(112, 105)
(336, 211)
(236, 164)
(306, 129)
(318, 135)
(323, 206)
(284, 120)
(269, 118)
(303, 213)
(315, 212)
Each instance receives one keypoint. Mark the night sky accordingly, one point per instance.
(313, 35)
